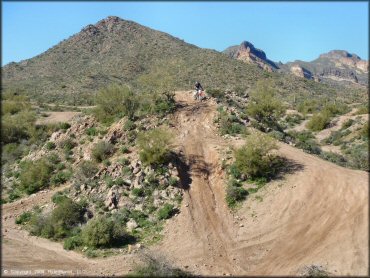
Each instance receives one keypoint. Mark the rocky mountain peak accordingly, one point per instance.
(249, 47)
(338, 54)
(246, 52)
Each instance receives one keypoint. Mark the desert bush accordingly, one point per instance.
(116, 102)
(334, 157)
(61, 177)
(67, 144)
(363, 109)
(64, 126)
(216, 93)
(264, 106)
(139, 192)
(23, 218)
(65, 216)
(166, 212)
(58, 197)
(60, 223)
(154, 146)
(103, 232)
(50, 145)
(91, 131)
(347, 124)
(308, 106)
(73, 242)
(129, 125)
(229, 124)
(102, 150)
(306, 141)
(319, 121)
(364, 131)
(358, 157)
(235, 194)
(86, 170)
(12, 152)
(157, 268)
(35, 175)
(255, 158)
(293, 119)
(17, 127)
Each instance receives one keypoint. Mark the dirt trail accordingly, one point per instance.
(339, 123)
(317, 214)
(57, 117)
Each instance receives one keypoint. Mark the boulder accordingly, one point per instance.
(131, 224)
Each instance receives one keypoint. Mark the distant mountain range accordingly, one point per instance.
(337, 66)
(117, 51)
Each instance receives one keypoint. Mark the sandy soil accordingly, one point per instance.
(317, 213)
(57, 117)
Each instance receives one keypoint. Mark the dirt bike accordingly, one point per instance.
(199, 95)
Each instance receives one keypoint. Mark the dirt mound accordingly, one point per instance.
(315, 215)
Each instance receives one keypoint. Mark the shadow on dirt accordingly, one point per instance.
(286, 166)
(183, 168)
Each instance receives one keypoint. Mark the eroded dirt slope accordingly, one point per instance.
(315, 214)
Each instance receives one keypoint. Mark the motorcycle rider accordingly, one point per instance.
(198, 90)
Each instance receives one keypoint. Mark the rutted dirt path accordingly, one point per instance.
(317, 214)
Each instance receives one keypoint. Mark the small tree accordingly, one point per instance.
(103, 232)
(116, 101)
(154, 146)
(102, 150)
(255, 159)
(264, 106)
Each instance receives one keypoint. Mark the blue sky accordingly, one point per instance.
(286, 31)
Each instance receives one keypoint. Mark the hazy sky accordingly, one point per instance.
(286, 31)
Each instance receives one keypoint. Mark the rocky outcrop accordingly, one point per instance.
(299, 71)
(246, 52)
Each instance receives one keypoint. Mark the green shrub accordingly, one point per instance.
(23, 218)
(255, 158)
(17, 127)
(65, 216)
(364, 131)
(73, 242)
(216, 93)
(139, 192)
(347, 124)
(358, 157)
(264, 106)
(129, 125)
(167, 211)
(91, 131)
(234, 171)
(103, 232)
(86, 170)
(334, 157)
(157, 268)
(293, 119)
(64, 126)
(102, 150)
(50, 145)
(319, 121)
(59, 197)
(61, 177)
(154, 146)
(125, 149)
(35, 175)
(235, 194)
(67, 144)
(305, 140)
(363, 109)
(12, 152)
(173, 181)
(115, 102)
